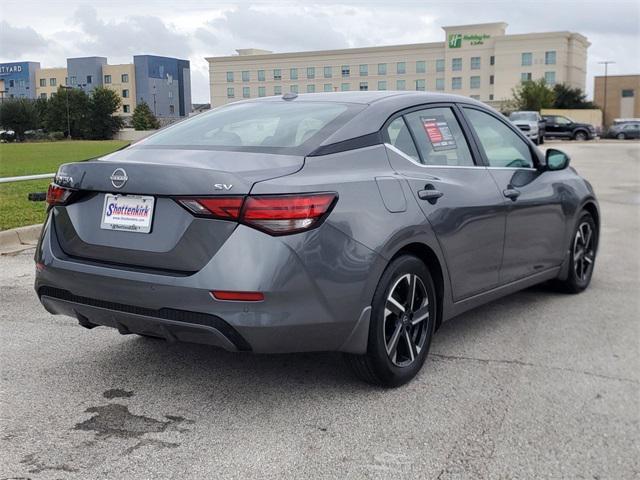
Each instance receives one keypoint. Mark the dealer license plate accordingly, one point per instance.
(130, 213)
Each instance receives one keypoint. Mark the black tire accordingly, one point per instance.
(540, 139)
(537, 141)
(621, 136)
(581, 136)
(377, 366)
(578, 278)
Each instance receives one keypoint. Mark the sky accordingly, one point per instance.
(49, 32)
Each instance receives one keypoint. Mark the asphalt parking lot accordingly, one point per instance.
(537, 385)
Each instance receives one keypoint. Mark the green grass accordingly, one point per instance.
(31, 158)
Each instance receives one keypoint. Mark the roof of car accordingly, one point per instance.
(368, 97)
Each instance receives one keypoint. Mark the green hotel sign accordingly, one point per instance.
(455, 39)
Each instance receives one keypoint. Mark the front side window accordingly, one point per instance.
(245, 75)
(456, 64)
(400, 137)
(439, 137)
(440, 65)
(550, 57)
(229, 76)
(382, 69)
(401, 68)
(421, 66)
(527, 59)
(364, 70)
(293, 74)
(475, 63)
(501, 145)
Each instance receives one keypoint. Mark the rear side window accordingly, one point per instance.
(501, 145)
(400, 138)
(256, 126)
(439, 137)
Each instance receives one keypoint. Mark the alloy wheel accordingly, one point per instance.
(406, 319)
(583, 251)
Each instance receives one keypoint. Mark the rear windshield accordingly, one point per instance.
(527, 117)
(271, 126)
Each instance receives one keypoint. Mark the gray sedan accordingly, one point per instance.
(353, 222)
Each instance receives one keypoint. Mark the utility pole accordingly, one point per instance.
(604, 106)
(154, 100)
(66, 89)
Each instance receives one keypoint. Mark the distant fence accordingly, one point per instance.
(25, 178)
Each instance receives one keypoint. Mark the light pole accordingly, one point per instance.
(154, 100)
(604, 106)
(66, 95)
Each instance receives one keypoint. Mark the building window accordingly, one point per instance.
(125, 93)
(364, 86)
(491, 96)
(107, 79)
(474, 82)
(311, 88)
(420, 85)
(311, 72)
(328, 72)
(246, 92)
(124, 78)
(66, 80)
(170, 94)
(550, 57)
(245, 75)
(527, 58)
(293, 73)
(11, 84)
(277, 90)
(262, 91)
(401, 84)
(492, 60)
(229, 76)
(293, 88)
(172, 109)
(328, 87)
(525, 76)
(421, 66)
(277, 74)
(74, 81)
(43, 82)
(89, 79)
(344, 87)
(456, 83)
(440, 65)
(126, 108)
(364, 70)
(439, 83)
(261, 76)
(382, 85)
(491, 79)
(230, 92)
(382, 69)
(346, 70)
(43, 96)
(456, 64)
(401, 67)
(627, 93)
(475, 63)
(550, 78)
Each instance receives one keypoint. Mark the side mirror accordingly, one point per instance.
(557, 159)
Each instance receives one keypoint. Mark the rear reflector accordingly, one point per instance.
(57, 195)
(273, 214)
(238, 296)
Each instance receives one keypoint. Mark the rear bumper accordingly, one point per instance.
(317, 289)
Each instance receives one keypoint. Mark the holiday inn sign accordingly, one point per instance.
(455, 39)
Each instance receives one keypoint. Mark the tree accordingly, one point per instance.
(19, 115)
(533, 95)
(56, 119)
(102, 122)
(143, 118)
(567, 97)
(40, 105)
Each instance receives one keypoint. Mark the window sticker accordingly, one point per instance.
(438, 133)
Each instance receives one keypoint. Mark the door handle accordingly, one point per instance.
(512, 193)
(430, 194)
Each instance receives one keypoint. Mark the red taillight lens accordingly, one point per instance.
(283, 214)
(226, 208)
(57, 195)
(238, 296)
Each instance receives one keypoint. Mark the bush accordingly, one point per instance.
(56, 136)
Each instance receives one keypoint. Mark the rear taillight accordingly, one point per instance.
(57, 195)
(273, 214)
(283, 214)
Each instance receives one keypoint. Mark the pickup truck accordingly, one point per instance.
(559, 126)
(531, 124)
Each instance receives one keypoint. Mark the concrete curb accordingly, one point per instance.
(18, 239)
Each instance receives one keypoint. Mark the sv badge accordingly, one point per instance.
(223, 186)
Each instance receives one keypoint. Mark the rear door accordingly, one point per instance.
(458, 197)
(536, 222)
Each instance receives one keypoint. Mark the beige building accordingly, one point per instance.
(623, 96)
(48, 80)
(121, 79)
(480, 61)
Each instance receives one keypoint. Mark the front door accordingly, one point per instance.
(536, 222)
(460, 199)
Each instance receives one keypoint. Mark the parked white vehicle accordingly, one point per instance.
(531, 124)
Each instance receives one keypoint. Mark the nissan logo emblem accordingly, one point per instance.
(119, 178)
